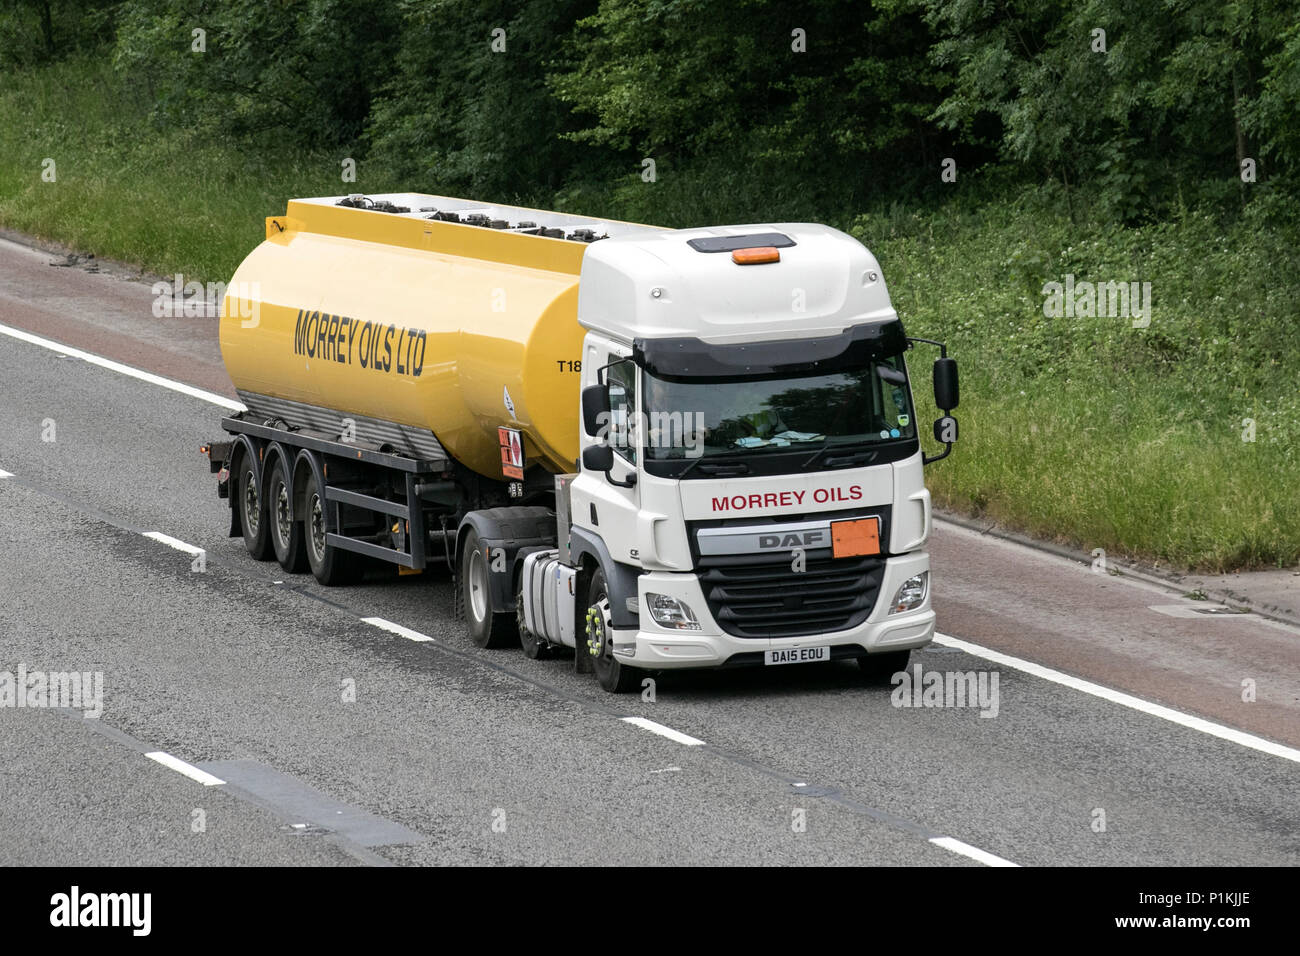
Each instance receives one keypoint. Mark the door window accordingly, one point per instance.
(623, 436)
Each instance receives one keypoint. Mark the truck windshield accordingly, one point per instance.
(691, 418)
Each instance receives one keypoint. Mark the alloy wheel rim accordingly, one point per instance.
(477, 585)
(317, 529)
(252, 513)
(282, 521)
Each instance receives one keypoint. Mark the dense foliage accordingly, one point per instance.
(828, 104)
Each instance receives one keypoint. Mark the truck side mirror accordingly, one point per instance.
(601, 458)
(945, 383)
(596, 457)
(595, 411)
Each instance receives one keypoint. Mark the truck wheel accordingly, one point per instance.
(881, 667)
(252, 513)
(612, 675)
(536, 647)
(286, 534)
(332, 566)
(486, 629)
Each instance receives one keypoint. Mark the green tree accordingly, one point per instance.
(1142, 98)
(833, 92)
(36, 31)
(467, 108)
(306, 67)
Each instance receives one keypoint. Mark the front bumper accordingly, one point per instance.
(655, 647)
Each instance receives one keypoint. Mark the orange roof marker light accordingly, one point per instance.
(755, 256)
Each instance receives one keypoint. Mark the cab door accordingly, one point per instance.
(606, 506)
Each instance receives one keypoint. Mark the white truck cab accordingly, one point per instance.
(750, 489)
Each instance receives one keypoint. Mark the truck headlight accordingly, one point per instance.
(667, 611)
(912, 594)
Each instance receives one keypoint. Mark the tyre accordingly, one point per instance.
(252, 512)
(332, 566)
(486, 627)
(611, 674)
(535, 647)
(285, 526)
(881, 667)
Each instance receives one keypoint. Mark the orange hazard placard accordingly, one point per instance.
(512, 452)
(851, 538)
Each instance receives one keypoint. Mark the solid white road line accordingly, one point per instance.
(975, 853)
(1123, 699)
(6, 474)
(140, 374)
(663, 731)
(189, 770)
(397, 629)
(171, 542)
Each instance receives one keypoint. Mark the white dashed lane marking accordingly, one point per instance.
(181, 767)
(397, 629)
(171, 542)
(663, 731)
(975, 853)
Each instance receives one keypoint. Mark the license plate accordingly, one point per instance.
(798, 655)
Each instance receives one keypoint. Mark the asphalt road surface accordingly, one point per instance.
(250, 717)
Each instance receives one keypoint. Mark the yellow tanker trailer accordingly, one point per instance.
(399, 320)
(419, 386)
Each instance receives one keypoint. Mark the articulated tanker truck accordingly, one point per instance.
(658, 448)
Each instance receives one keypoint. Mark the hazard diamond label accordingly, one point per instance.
(512, 452)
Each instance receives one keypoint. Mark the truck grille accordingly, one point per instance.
(759, 597)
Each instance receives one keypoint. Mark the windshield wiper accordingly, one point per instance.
(720, 454)
(853, 458)
(710, 465)
(725, 470)
(861, 456)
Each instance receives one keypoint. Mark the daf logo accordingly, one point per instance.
(783, 537)
(805, 539)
